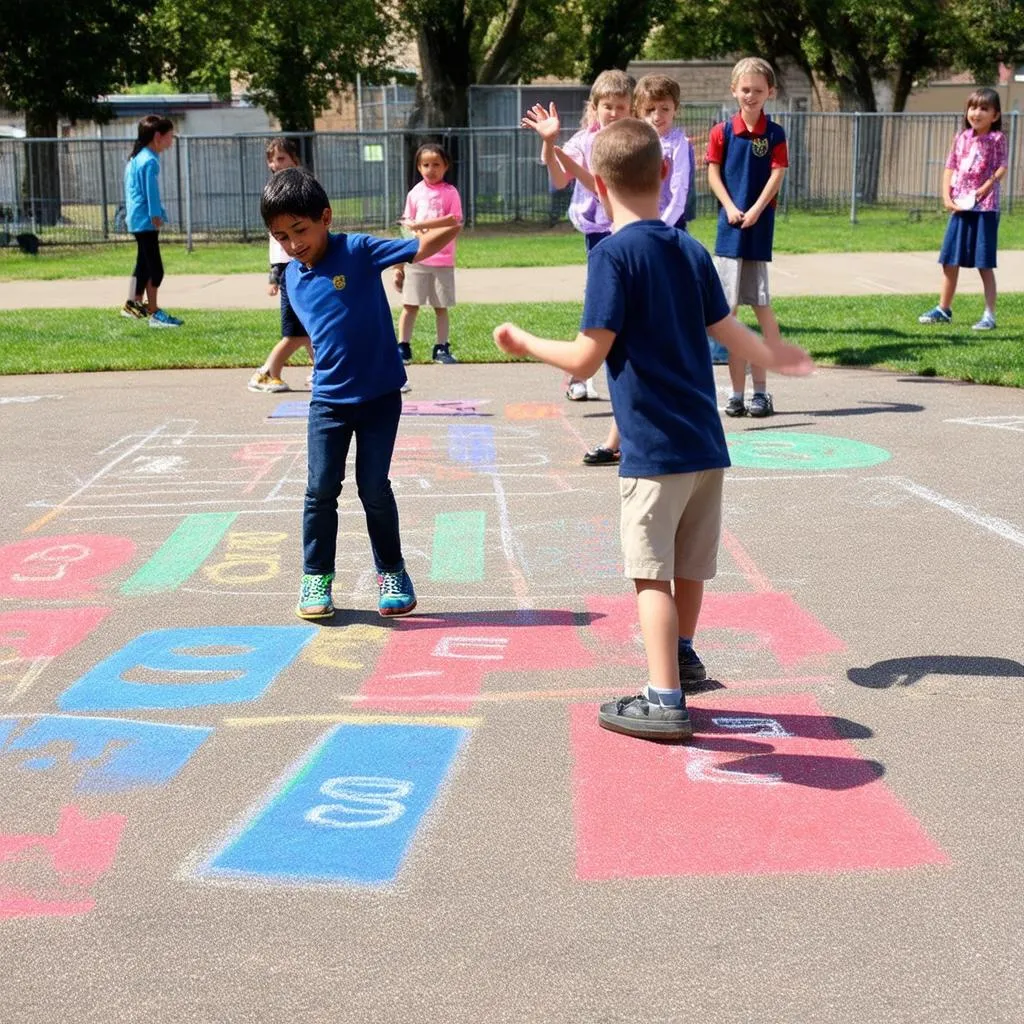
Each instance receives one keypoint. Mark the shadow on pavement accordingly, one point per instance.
(526, 617)
(907, 671)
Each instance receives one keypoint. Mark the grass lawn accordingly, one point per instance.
(522, 246)
(845, 331)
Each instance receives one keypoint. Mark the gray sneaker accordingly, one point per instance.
(691, 668)
(637, 716)
(761, 405)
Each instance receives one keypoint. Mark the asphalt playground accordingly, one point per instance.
(211, 811)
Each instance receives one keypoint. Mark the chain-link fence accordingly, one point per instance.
(70, 190)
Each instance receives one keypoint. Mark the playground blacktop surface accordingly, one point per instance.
(211, 811)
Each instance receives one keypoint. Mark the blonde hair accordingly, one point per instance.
(608, 83)
(753, 66)
(627, 157)
(652, 88)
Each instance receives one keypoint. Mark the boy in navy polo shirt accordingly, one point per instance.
(335, 288)
(747, 160)
(651, 294)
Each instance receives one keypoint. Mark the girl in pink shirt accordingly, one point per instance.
(976, 164)
(430, 282)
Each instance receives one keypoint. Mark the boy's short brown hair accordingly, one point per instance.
(627, 157)
(753, 66)
(652, 88)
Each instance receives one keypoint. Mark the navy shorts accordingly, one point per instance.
(971, 240)
(291, 325)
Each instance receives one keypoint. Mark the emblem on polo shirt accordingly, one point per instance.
(760, 146)
(339, 281)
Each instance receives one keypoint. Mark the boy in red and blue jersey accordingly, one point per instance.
(747, 159)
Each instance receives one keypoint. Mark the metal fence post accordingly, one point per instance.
(856, 160)
(385, 216)
(472, 179)
(1011, 168)
(187, 170)
(105, 216)
(241, 188)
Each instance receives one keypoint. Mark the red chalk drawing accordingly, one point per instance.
(791, 634)
(767, 786)
(75, 857)
(30, 640)
(59, 567)
(437, 666)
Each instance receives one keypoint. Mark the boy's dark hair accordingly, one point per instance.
(285, 145)
(432, 147)
(627, 156)
(294, 191)
(652, 88)
(985, 98)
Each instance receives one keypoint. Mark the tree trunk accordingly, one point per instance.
(41, 200)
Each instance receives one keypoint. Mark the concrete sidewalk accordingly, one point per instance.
(861, 273)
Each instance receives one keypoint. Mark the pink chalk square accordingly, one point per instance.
(436, 665)
(767, 786)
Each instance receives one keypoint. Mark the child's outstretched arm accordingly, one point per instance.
(547, 125)
(433, 239)
(581, 358)
(771, 354)
(575, 170)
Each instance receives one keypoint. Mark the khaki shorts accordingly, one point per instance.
(429, 286)
(745, 282)
(671, 525)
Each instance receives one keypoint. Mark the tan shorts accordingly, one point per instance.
(671, 525)
(429, 286)
(745, 282)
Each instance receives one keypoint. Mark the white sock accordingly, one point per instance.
(737, 394)
(667, 698)
(990, 313)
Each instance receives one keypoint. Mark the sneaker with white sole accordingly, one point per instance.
(163, 319)
(443, 354)
(315, 601)
(262, 381)
(986, 323)
(133, 310)
(397, 596)
(576, 391)
(639, 716)
(591, 389)
(761, 405)
(938, 315)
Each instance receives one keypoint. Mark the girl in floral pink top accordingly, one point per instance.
(970, 191)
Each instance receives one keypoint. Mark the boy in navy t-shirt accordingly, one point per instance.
(651, 294)
(334, 287)
(747, 159)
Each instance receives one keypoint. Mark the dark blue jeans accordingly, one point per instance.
(331, 427)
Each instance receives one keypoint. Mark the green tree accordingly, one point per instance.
(56, 60)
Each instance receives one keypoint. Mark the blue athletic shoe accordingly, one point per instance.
(986, 323)
(938, 315)
(163, 319)
(315, 600)
(397, 596)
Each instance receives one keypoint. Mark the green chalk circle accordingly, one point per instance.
(458, 555)
(811, 453)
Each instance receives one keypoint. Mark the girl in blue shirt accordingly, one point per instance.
(144, 216)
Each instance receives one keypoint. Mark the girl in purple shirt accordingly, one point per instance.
(976, 164)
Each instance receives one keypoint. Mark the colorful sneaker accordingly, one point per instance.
(162, 319)
(576, 391)
(601, 456)
(133, 310)
(938, 315)
(405, 351)
(315, 600)
(691, 668)
(638, 716)
(261, 381)
(735, 407)
(761, 405)
(442, 354)
(397, 596)
(986, 323)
